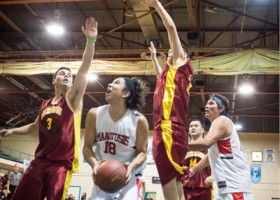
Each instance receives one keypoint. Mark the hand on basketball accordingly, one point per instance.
(90, 28)
(94, 170)
(128, 172)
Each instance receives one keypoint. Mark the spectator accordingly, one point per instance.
(13, 181)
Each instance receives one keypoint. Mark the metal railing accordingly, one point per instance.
(15, 155)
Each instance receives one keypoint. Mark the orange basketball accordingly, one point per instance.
(111, 176)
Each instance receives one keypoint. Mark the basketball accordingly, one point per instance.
(111, 176)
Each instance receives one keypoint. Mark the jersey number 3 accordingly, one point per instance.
(110, 147)
(49, 123)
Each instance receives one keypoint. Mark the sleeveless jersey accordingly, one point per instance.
(116, 140)
(197, 181)
(171, 99)
(228, 164)
(59, 134)
(171, 96)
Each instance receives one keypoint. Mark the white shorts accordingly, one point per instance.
(235, 196)
(128, 192)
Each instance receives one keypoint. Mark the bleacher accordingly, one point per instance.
(14, 155)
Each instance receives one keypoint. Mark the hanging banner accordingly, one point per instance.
(269, 156)
(256, 173)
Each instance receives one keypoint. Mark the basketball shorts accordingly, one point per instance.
(179, 149)
(43, 179)
(235, 196)
(128, 192)
(197, 193)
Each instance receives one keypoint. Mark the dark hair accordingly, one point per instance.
(61, 68)
(221, 101)
(201, 121)
(138, 90)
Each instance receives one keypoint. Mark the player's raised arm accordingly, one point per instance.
(156, 64)
(178, 54)
(77, 91)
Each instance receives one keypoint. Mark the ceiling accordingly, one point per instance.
(207, 27)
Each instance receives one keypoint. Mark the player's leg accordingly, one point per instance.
(31, 185)
(170, 190)
(180, 190)
(57, 182)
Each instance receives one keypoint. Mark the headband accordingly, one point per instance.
(218, 101)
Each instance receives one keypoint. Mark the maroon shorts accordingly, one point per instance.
(178, 152)
(43, 179)
(198, 193)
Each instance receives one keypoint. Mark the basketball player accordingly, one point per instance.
(117, 131)
(171, 99)
(58, 125)
(195, 187)
(224, 153)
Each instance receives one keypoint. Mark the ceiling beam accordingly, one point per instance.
(42, 1)
(240, 13)
(14, 26)
(192, 23)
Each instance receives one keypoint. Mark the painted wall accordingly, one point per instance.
(268, 187)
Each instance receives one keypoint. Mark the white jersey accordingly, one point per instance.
(116, 140)
(228, 165)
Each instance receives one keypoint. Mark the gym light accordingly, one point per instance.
(55, 29)
(246, 89)
(92, 77)
(238, 126)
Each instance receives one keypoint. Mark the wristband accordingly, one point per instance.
(91, 40)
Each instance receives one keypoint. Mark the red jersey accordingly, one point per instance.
(59, 134)
(197, 181)
(171, 99)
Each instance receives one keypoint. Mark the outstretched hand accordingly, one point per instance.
(90, 28)
(5, 133)
(152, 49)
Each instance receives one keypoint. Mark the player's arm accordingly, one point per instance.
(78, 88)
(142, 132)
(209, 181)
(23, 130)
(218, 130)
(155, 62)
(174, 40)
(90, 134)
(204, 162)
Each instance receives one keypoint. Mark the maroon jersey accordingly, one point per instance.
(59, 134)
(171, 97)
(197, 181)
(170, 107)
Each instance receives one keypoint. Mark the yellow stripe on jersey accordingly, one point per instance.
(166, 124)
(169, 92)
(77, 138)
(77, 115)
(66, 185)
